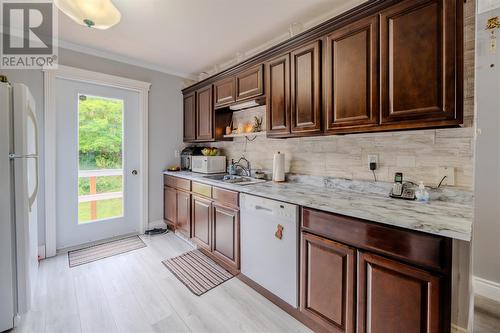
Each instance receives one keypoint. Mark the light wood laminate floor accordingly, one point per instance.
(486, 315)
(134, 292)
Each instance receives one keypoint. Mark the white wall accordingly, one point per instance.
(165, 118)
(487, 5)
(486, 238)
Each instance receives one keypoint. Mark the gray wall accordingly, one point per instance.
(486, 244)
(165, 118)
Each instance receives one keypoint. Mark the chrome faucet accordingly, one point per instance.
(247, 169)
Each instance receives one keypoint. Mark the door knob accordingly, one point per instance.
(134, 172)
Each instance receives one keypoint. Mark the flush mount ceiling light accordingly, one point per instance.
(99, 14)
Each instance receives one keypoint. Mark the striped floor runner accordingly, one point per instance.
(101, 251)
(198, 272)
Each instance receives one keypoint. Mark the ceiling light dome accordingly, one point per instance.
(99, 14)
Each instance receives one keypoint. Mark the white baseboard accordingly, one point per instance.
(41, 252)
(486, 288)
(157, 224)
(458, 329)
(188, 241)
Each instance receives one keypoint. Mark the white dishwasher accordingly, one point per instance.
(268, 256)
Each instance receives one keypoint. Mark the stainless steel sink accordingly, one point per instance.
(232, 179)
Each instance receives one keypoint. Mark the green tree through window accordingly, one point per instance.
(100, 136)
(100, 133)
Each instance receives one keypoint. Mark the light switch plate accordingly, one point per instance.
(449, 172)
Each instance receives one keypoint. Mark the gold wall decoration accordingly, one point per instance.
(493, 23)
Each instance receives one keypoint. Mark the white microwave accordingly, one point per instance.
(208, 164)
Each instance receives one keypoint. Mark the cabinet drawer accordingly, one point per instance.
(225, 197)
(175, 182)
(202, 189)
(418, 248)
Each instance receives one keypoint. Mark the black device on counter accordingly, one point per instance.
(400, 190)
(186, 155)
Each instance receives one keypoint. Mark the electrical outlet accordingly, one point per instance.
(372, 158)
(449, 172)
(177, 153)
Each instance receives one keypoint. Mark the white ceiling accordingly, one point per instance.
(186, 37)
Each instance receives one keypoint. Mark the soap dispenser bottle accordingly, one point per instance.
(231, 169)
(422, 194)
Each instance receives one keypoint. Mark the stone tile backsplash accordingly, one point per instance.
(418, 154)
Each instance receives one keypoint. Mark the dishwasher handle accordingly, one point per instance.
(262, 208)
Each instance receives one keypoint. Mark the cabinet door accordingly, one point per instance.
(327, 283)
(395, 297)
(224, 92)
(306, 89)
(226, 234)
(190, 117)
(351, 80)
(249, 84)
(202, 222)
(170, 205)
(418, 61)
(204, 114)
(278, 96)
(184, 213)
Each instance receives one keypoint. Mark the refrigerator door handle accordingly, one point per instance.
(32, 197)
(14, 156)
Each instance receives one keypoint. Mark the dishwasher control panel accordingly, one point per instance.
(273, 207)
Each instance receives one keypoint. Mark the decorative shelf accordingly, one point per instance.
(245, 135)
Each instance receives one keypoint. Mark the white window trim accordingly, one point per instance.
(81, 75)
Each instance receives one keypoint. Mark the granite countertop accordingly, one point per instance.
(450, 217)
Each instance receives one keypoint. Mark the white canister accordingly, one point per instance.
(279, 167)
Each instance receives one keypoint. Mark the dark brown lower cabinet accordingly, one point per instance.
(225, 234)
(202, 222)
(170, 206)
(395, 297)
(327, 283)
(183, 219)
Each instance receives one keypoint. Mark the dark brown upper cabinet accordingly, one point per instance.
(249, 84)
(278, 96)
(204, 114)
(394, 297)
(305, 94)
(351, 77)
(327, 283)
(384, 65)
(190, 117)
(225, 92)
(418, 62)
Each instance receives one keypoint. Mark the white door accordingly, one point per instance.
(98, 159)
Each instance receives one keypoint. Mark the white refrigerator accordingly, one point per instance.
(18, 206)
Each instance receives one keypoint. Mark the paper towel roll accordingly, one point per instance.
(279, 167)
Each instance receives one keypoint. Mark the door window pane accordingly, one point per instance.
(100, 142)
